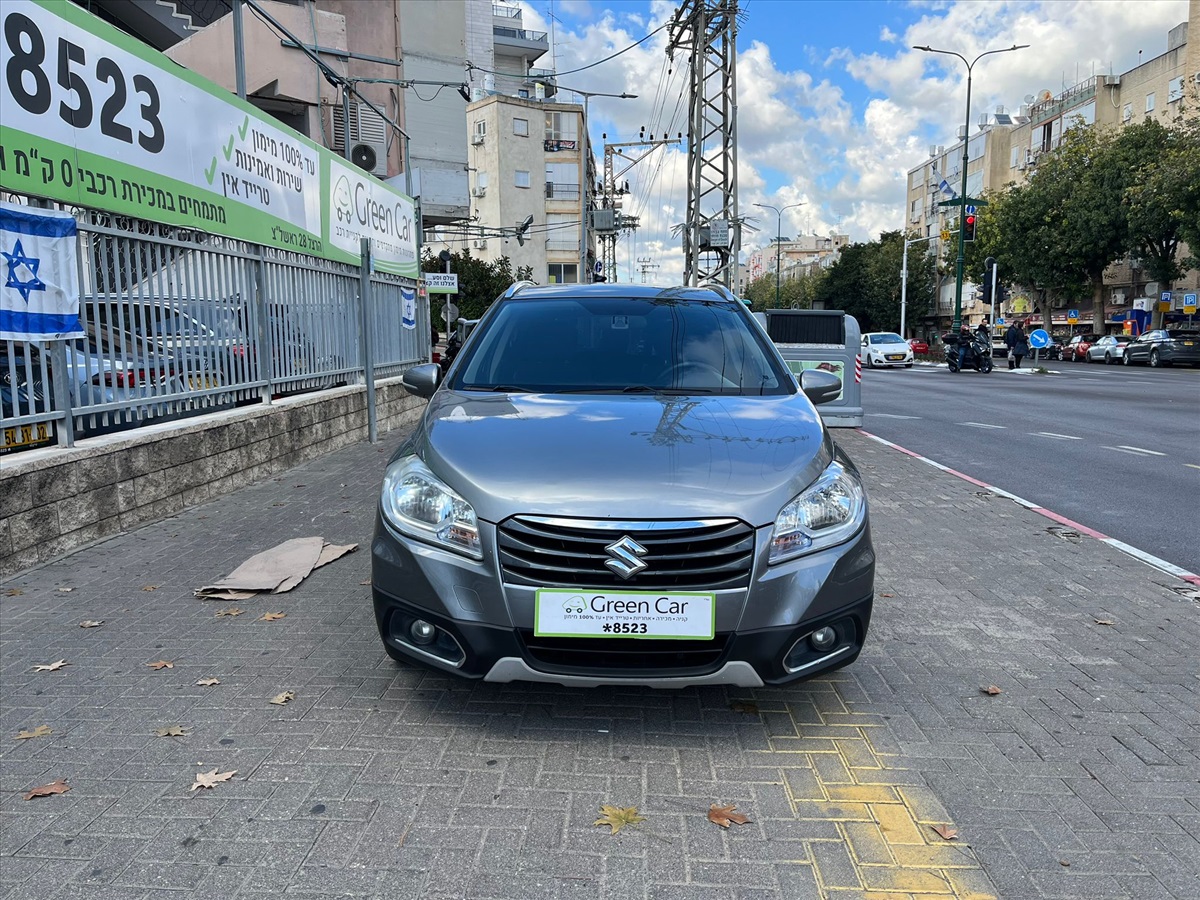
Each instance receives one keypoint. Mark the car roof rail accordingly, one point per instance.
(720, 289)
(515, 287)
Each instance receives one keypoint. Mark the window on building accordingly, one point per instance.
(1081, 115)
(480, 129)
(1175, 89)
(914, 210)
(521, 179)
(521, 127)
(562, 181)
(1150, 102)
(562, 232)
(1014, 157)
(562, 126)
(564, 273)
(1127, 113)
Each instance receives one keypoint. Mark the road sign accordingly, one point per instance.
(1000, 321)
(1166, 297)
(718, 233)
(945, 235)
(441, 282)
(450, 314)
(599, 267)
(970, 210)
(1189, 304)
(1039, 338)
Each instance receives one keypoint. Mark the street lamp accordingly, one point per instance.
(962, 199)
(778, 239)
(904, 279)
(584, 181)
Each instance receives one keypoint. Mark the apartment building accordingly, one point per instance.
(798, 256)
(1006, 148)
(529, 158)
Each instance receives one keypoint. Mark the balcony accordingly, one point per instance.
(561, 191)
(520, 41)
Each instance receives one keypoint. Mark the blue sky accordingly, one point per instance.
(834, 104)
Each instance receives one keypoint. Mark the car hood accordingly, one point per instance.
(889, 348)
(643, 456)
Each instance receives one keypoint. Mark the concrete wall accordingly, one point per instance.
(54, 501)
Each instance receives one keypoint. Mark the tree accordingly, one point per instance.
(479, 281)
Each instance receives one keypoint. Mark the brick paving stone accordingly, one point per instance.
(381, 780)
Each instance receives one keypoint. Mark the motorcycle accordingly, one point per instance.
(979, 357)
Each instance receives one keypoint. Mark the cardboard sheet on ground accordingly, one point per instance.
(277, 570)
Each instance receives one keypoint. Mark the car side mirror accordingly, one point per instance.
(819, 386)
(422, 380)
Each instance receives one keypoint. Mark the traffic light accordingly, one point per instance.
(986, 283)
(968, 227)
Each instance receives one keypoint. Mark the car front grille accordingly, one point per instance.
(624, 657)
(712, 554)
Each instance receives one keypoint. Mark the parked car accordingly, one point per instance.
(918, 346)
(23, 377)
(1164, 347)
(619, 484)
(882, 349)
(1077, 347)
(1108, 349)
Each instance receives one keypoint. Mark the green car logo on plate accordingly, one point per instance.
(574, 605)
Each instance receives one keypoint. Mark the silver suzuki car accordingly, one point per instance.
(622, 484)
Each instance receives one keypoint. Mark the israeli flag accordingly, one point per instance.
(39, 274)
(944, 186)
(408, 313)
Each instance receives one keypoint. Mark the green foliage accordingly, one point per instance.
(865, 282)
(794, 293)
(479, 282)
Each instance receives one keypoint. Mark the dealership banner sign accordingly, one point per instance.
(92, 117)
(39, 274)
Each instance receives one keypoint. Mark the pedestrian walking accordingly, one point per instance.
(1017, 343)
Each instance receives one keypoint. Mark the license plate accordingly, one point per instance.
(683, 615)
(1189, 343)
(895, 356)
(26, 435)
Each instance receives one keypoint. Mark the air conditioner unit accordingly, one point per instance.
(479, 191)
(1118, 298)
(368, 138)
(480, 244)
(1022, 164)
(477, 138)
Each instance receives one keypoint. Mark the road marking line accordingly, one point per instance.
(1051, 434)
(1149, 559)
(891, 416)
(1133, 451)
(1192, 465)
(981, 425)
(1141, 450)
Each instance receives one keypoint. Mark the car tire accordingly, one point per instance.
(1108, 360)
(1155, 359)
(908, 365)
(1125, 359)
(986, 366)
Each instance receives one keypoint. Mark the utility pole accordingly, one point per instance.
(707, 29)
(612, 189)
(646, 263)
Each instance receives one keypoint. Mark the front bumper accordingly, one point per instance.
(485, 627)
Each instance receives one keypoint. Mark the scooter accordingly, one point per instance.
(979, 357)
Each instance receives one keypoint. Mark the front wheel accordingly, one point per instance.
(986, 365)
(1125, 360)
(1108, 360)
(1155, 361)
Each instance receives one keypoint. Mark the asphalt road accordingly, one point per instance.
(1114, 448)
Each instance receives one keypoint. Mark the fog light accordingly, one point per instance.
(422, 632)
(823, 638)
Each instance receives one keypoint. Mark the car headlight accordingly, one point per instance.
(828, 512)
(417, 503)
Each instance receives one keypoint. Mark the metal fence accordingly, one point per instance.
(180, 322)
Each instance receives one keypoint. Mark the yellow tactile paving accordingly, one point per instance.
(834, 772)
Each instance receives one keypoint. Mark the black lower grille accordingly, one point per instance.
(624, 657)
(700, 555)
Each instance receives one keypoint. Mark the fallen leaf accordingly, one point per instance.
(744, 706)
(90, 623)
(368, 581)
(991, 690)
(887, 595)
(229, 612)
(208, 682)
(723, 815)
(161, 664)
(211, 779)
(150, 587)
(40, 731)
(171, 731)
(13, 592)
(1104, 622)
(946, 832)
(271, 617)
(65, 590)
(51, 667)
(281, 699)
(59, 786)
(617, 818)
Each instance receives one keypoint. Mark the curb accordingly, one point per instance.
(1141, 555)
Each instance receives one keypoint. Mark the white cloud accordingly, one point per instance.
(801, 137)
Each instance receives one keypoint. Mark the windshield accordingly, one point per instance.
(886, 339)
(621, 345)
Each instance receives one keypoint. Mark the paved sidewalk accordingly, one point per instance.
(1080, 779)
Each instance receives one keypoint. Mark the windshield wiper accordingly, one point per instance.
(500, 388)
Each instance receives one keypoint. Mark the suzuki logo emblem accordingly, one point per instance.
(626, 557)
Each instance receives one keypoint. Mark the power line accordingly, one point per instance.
(471, 67)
